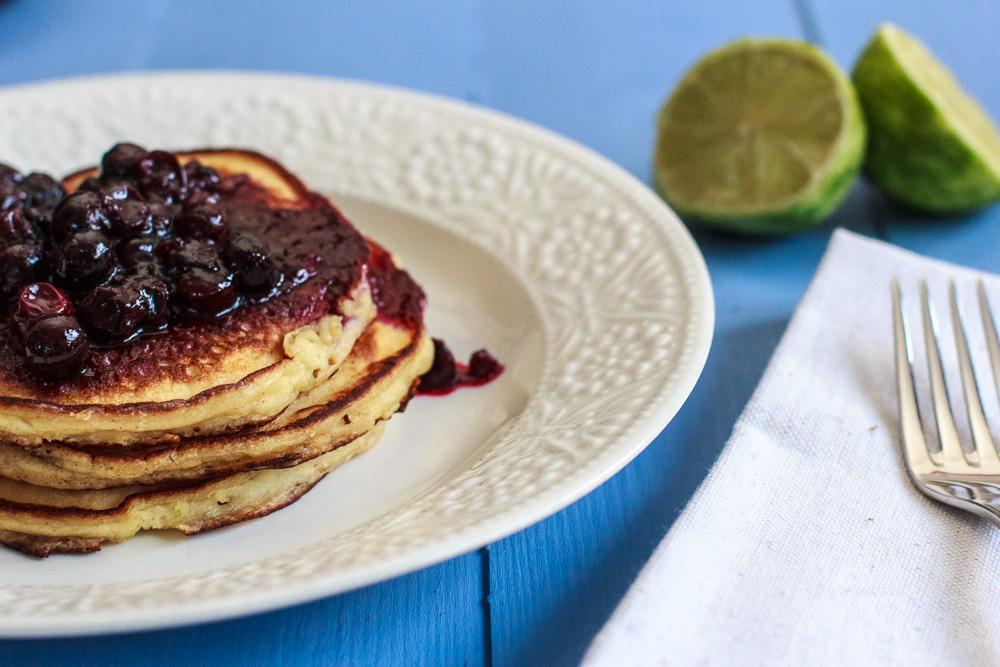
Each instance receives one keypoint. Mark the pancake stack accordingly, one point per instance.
(211, 422)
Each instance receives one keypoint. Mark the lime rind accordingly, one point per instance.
(827, 182)
(931, 146)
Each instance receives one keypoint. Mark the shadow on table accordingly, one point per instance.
(672, 467)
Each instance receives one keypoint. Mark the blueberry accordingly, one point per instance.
(161, 218)
(20, 264)
(38, 301)
(443, 372)
(161, 176)
(42, 191)
(111, 312)
(39, 219)
(11, 200)
(253, 269)
(484, 366)
(138, 252)
(118, 190)
(151, 296)
(83, 261)
(14, 227)
(205, 292)
(203, 218)
(129, 217)
(10, 192)
(201, 178)
(179, 256)
(122, 161)
(80, 211)
(56, 347)
(202, 198)
(9, 175)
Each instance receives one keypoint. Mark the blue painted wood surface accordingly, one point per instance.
(596, 72)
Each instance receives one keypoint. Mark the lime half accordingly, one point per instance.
(931, 147)
(761, 136)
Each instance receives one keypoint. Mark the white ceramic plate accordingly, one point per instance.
(568, 269)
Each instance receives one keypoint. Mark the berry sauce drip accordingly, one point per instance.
(446, 375)
(398, 299)
(147, 260)
(401, 301)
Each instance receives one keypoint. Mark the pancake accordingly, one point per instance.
(212, 422)
(218, 376)
(42, 521)
(371, 385)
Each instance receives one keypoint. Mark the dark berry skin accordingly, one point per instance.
(484, 366)
(138, 252)
(118, 312)
(161, 176)
(443, 372)
(110, 311)
(20, 264)
(161, 219)
(118, 190)
(203, 218)
(10, 192)
(56, 347)
(83, 262)
(129, 217)
(178, 256)
(14, 227)
(201, 178)
(41, 191)
(38, 301)
(80, 211)
(253, 269)
(122, 161)
(206, 293)
(39, 219)
(8, 176)
(151, 296)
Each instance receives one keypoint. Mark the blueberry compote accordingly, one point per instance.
(148, 260)
(446, 375)
(401, 300)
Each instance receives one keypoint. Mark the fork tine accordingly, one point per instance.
(973, 402)
(914, 445)
(951, 449)
(990, 327)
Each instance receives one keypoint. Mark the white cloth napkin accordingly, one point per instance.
(807, 544)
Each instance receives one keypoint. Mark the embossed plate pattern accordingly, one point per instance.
(569, 269)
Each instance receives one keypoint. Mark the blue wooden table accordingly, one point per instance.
(595, 72)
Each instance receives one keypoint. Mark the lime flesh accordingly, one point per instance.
(931, 146)
(761, 136)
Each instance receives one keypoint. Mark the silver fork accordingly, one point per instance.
(967, 480)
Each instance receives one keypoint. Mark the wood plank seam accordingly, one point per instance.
(487, 612)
